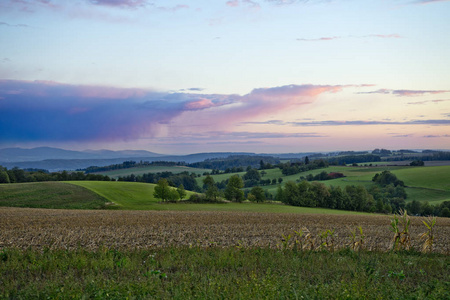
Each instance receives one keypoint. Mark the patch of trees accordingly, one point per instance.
(386, 178)
(351, 159)
(323, 176)
(426, 155)
(184, 178)
(382, 152)
(131, 164)
(235, 161)
(418, 208)
(417, 163)
(16, 175)
(317, 194)
(298, 167)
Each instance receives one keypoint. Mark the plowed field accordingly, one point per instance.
(70, 229)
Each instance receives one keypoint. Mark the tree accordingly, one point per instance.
(4, 177)
(162, 190)
(258, 193)
(181, 191)
(233, 190)
(212, 192)
(306, 160)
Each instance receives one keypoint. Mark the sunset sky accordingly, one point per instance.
(264, 76)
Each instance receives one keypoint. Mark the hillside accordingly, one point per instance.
(50, 195)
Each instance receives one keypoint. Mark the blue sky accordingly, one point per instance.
(197, 76)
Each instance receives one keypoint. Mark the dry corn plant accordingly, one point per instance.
(327, 240)
(402, 238)
(428, 235)
(304, 238)
(356, 242)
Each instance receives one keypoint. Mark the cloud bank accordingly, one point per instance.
(53, 112)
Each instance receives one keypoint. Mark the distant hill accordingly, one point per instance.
(55, 159)
(43, 153)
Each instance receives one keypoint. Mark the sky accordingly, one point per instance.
(263, 76)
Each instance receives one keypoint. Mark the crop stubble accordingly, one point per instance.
(70, 229)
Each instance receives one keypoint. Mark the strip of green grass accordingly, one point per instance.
(49, 195)
(222, 273)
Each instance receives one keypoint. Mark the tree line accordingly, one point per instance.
(16, 175)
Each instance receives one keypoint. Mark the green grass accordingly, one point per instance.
(152, 169)
(423, 183)
(139, 196)
(222, 273)
(49, 195)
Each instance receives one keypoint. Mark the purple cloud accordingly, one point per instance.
(429, 1)
(353, 123)
(406, 93)
(50, 111)
(120, 3)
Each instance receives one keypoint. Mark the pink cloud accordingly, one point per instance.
(200, 104)
(233, 3)
(120, 3)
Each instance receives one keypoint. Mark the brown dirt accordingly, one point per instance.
(69, 229)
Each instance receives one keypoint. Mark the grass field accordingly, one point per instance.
(49, 195)
(152, 169)
(139, 196)
(423, 183)
(221, 273)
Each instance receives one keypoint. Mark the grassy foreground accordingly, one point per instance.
(225, 273)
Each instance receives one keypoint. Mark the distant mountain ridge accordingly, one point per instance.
(55, 159)
(42, 153)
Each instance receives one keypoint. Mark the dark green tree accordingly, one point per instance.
(258, 193)
(233, 190)
(181, 191)
(162, 190)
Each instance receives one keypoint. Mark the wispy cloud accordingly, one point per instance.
(429, 1)
(120, 3)
(330, 38)
(429, 101)
(437, 136)
(406, 93)
(354, 123)
(13, 25)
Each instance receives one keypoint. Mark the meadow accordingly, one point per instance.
(430, 184)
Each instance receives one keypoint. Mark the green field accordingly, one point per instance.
(423, 183)
(139, 196)
(152, 169)
(49, 195)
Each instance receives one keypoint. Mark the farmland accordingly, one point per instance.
(152, 169)
(69, 229)
(49, 195)
(173, 254)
